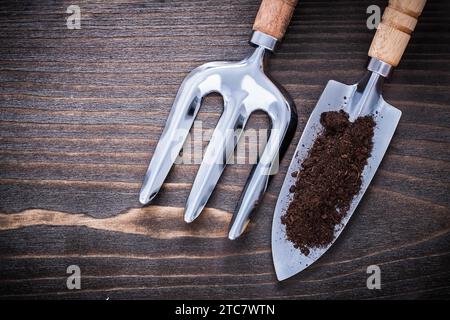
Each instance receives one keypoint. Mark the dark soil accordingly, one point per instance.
(329, 179)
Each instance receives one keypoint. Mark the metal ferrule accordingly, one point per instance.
(382, 68)
(263, 40)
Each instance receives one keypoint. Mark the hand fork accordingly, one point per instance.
(245, 88)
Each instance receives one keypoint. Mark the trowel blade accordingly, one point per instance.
(337, 96)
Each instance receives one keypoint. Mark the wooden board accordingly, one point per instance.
(82, 110)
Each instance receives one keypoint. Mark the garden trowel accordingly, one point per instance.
(361, 99)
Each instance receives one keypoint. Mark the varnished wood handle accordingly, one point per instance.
(274, 16)
(394, 31)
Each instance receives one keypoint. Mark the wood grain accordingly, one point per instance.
(274, 16)
(81, 112)
(394, 31)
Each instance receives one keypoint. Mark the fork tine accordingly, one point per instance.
(283, 128)
(180, 120)
(220, 148)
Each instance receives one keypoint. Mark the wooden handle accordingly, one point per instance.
(394, 31)
(274, 16)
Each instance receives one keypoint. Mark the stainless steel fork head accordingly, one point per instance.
(245, 88)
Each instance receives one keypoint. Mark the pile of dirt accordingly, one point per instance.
(329, 179)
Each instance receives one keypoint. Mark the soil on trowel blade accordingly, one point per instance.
(329, 179)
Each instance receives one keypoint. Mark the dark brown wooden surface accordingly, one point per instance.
(81, 112)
